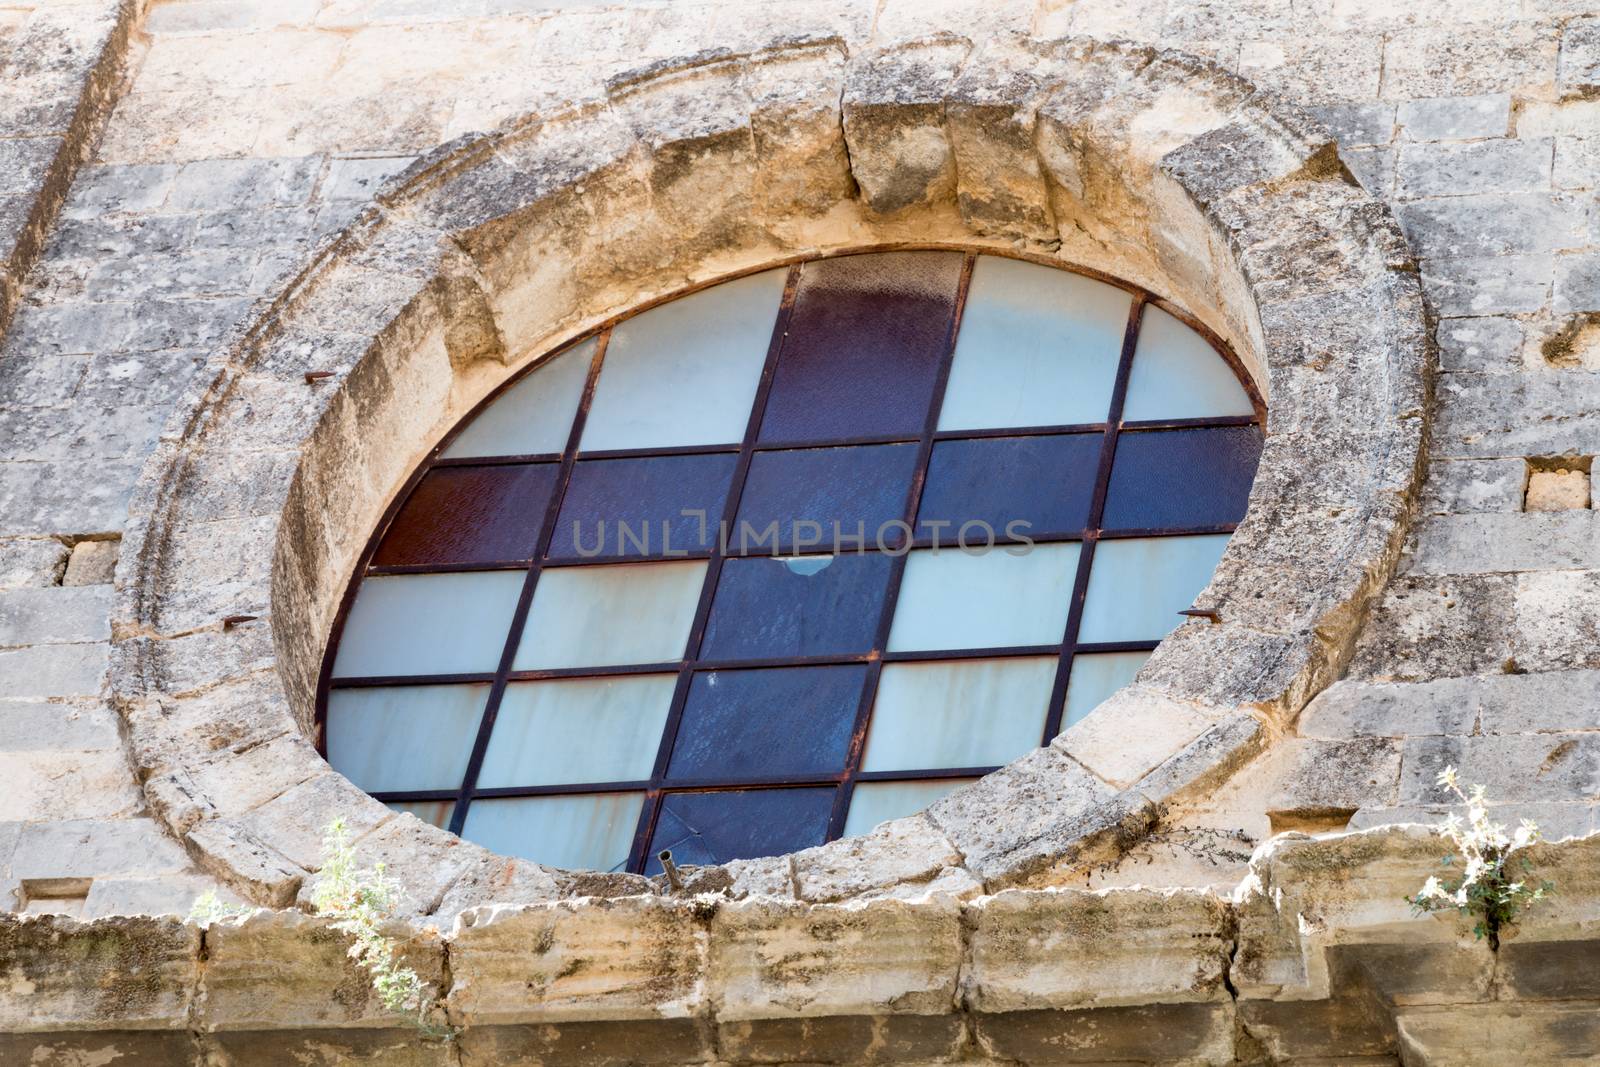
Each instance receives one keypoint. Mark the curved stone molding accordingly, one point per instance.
(1149, 165)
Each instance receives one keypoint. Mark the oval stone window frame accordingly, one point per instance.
(248, 521)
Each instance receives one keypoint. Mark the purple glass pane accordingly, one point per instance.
(1181, 479)
(782, 721)
(470, 515)
(712, 828)
(1046, 483)
(805, 606)
(621, 508)
(825, 497)
(864, 346)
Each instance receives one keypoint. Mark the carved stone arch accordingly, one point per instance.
(493, 250)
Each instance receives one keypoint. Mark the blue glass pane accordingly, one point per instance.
(708, 828)
(577, 730)
(685, 373)
(589, 832)
(1167, 479)
(786, 720)
(1038, 347)
(878, 802)
(401, 738)
(599, 616)
(428, 624)
(805, 606)
(954, 599)
(1095, 677)
(820, 496)
(433, 812)
(615, 508)
(471, 515)
(533, 417)
(1137, 586)
(863, 347)
(960, 713)
(1040, 484)
(1178, 375)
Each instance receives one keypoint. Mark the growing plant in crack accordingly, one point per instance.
(1491, 883)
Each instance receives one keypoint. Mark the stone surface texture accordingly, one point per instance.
(200, 200)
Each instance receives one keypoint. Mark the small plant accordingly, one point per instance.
(1493, 884)
(360, 902)
(209, 908)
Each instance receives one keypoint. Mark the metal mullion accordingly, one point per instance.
(1062, 430)
(1199, 423)
(1129, 532)
(651, 811)
(495, 461)
(998, 652)
(675, 556)
(919, 477)
(1097, 506)
(655, 453)
(384, 570)
(1090, 648)
(386, 681)
(926, 774)
(519, 618)
(835, 442)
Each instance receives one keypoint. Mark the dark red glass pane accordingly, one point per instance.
(619, 508)
(864, 346)
(826, 496)
(1044, 484)
(1168, 479)
(763, 723)
(811, 606)
(470, 515)
(710, 828)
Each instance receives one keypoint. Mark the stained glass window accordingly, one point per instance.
(776, 561)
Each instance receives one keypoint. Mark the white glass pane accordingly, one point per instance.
(428, 624)
(577, 730)
(598, 616)
(960, 713)
(685, 373)
(877, 802)
(590, 832)
(433, 812)
(1137, 586)
(950, 599)
(1178, 375)
(1095, 677)
(401, 738)
(534, 416)
(1038, 347)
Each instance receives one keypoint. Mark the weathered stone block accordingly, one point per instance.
(136, 973)
(1457, 487)
(1336, 776)
(1455, 118)
(53, 670)
(34, 616)
(1500, 166)
(1557, 490)
(1190, 1033)
(31, 561)
(900, 153)
(902, 851)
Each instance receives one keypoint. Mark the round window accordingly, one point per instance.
(777, 561)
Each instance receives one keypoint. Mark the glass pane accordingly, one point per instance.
(1166, 479)
(577, 730)
(801, 606)
(685, 373)
(739, 824)
(400, 738)
(590, 832)
(955, 599)
(963, 713)
(533, 417)
(878, 802)
(613, 614)
(784, 721)
(1043, 484)
(1038, 347)
(1095, 677)
(428, 624)
(1178, 375)
(1137, 586)
(635, 507)
(433, 812)
(470, 515)
(854, 491)
(864, 346)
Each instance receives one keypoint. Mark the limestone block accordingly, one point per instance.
(1468, 486)
(35, 616)
(1050, 948)
(901, 851)
(1557, 619)
(1432, 61)
(1489, 285)
(1479, 1037)
(844, 1039)
(1561, 489)
(423, 859)
(801, 164)
(92, 563)
(53, 670)
(590, 960)
(269, 969)
(1428, 627)
(35, 726)
(31, 561)
(169, 895)
(491, 879)
(1359, 123)
(168, 733)
(297, 820)
(1207, 761)
(1499, 166)
(1177, 1034)
(1455, 118)
(244, 780)
(772, 876)
(771, 959)
(96, 848)
(1363, 709)
(1133, 731)
(894, 108)
(66, 785)
(129, 973)
(253, 869)
(1328, 777)
(1513, 767)
(1495, 224)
